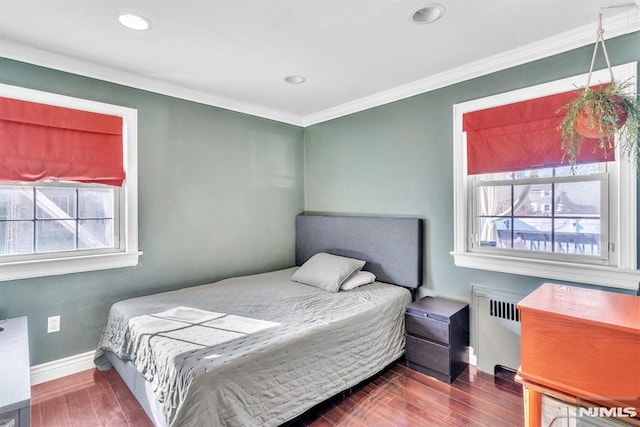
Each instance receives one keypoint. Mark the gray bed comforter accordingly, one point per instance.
(255, 350)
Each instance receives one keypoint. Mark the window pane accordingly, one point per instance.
(552, 217)
(532, 234)
(496, 176)
(55, 235)
(578, 236)
(55, 202)
(56, 226)
(94, 234)
(578, 170)
(16, 237)
(95, 202)
(534, 173)
(578, 199)
(494, 200)
(532, 200)
(16, 202)
(495, 232)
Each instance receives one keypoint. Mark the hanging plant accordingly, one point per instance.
(608, 113)
(602, 114)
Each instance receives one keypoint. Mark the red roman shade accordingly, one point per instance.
(522, 135)
(40, 142)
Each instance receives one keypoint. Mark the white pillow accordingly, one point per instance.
(358, 278)
(327, 271)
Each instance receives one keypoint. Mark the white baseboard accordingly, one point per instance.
(62, 367)
(473, 358)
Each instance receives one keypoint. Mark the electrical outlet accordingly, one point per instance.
(53, 324)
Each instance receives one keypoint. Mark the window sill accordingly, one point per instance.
(580, 273)
(55, 266)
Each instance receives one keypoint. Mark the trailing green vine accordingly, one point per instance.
(604, 108)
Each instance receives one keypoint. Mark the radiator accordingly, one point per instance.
(495, 335)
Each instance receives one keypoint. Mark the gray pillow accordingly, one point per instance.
(358, 278)
(327, 271)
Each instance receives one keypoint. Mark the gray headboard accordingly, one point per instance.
(391, 246)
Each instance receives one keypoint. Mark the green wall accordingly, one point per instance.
(218, 195)
(398, 159)
(219, 190)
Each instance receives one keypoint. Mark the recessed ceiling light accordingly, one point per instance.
(428, 14)
(134, 21)
(295, 79)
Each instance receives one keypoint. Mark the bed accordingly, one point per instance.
(261, 350)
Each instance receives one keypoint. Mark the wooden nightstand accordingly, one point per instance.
(15, 381)
(437, 334)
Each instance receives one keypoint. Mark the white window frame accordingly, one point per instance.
(601, 177)
(622, 194)
(128, 254)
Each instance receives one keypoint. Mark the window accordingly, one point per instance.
(78, 215)
(547, 213)
(517, 214)
(39, 219)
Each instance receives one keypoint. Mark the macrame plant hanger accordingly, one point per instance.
(602, 112)
(599, 41)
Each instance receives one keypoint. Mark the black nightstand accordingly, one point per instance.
(437, 333)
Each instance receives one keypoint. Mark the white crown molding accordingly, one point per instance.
(615, 26)
(62, 367)
(81, 67)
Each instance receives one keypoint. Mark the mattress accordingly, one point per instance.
(280, 347)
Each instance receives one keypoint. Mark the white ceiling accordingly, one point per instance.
(354, 53)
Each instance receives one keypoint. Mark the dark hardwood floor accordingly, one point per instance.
(397, 397)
